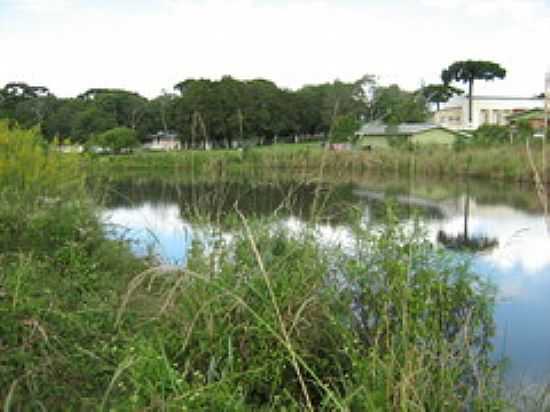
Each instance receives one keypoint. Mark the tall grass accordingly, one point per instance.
(59, 277)
(503, 162)
(280, 322)
(272, 320)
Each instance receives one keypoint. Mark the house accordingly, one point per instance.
(493, 110)
(535, 118)
(379, 135)
(162, 141)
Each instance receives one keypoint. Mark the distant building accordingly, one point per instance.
(162, 141)
(534, 118)
(67, 148)
(491, 110)
(379, 135)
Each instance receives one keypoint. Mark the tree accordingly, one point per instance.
(116, 139)
(128, 108)
(15, 93)
(90, 121)
(439, 93)
(470, 70)
(318, 106)
(393, 106)
(343, 129)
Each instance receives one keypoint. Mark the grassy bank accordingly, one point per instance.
(504, 162)
(271, 320)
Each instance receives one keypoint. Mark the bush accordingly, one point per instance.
(59, 277)
(28, 164)
(277, 321)
(343, 130)
(115, 140)
(490, 135)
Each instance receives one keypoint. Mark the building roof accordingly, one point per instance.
(162, 134)
(506, 98)
(403, 129)
(527, 115)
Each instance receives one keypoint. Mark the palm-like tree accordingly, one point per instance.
(470, 70)
(439, 93)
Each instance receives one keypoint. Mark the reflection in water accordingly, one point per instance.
(518, 261)
(153, 226)
(466, 242)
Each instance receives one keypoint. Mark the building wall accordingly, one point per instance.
(160, 144)
(485, 110)
(450, 117)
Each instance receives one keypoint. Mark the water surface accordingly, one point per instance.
(515, 252)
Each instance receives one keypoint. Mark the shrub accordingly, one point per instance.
(488, 135)
(343, 129)
(115, 140)
(28, 164)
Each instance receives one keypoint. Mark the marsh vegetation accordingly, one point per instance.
(271, 319)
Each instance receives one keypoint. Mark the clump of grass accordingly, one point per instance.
(278, 321)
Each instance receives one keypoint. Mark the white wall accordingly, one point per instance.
(491, 110)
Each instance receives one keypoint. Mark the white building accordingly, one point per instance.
(492, 110)
(163, 141)
(68, 148)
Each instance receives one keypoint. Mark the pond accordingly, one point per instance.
(502, 226)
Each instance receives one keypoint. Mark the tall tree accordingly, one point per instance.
(439, 93)
(128, 108)
(12, 94)
(393, 105)
(470, 70)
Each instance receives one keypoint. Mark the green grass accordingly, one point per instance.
(502, 162)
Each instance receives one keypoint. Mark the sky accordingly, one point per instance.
(150, 45)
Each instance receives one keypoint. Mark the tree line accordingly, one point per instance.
(217, 112)
(221, 112)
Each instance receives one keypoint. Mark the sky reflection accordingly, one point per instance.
(519, 265)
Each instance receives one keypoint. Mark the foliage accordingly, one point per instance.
(13, 94)
(115, 140)
(280, 322)
(439, 93)
(233, 112)
(491, 134)
(272, 320)
(393, 106)
(28, 164)
(344, 129)
(470, 70)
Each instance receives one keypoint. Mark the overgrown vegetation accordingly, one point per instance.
(271, 320)
(496, 161)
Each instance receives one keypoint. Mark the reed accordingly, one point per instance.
(500, 162)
